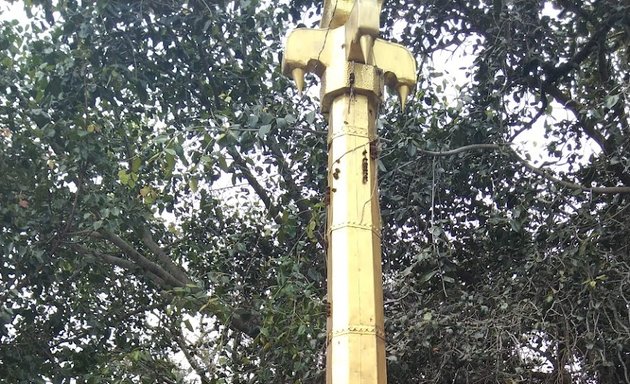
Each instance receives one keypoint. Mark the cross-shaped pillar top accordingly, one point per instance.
(348, 35)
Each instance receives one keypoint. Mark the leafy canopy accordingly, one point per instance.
(161, 195)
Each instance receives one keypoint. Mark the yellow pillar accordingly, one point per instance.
(354, 66)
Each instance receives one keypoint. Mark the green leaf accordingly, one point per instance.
(290, 119)
(135, 164)
(252, 121)
(310, 229)
(426, 277)
(170, 151)
(179, 150)
(264, 130)
(123, 177)
(436, 231)
(188, 325)
(310, 117)
(192, 183)
(611, 101)
(169, 165)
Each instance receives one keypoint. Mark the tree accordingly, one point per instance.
(162, 179)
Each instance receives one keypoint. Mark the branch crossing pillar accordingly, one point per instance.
(354, 66)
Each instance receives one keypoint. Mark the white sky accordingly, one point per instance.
(12, 11)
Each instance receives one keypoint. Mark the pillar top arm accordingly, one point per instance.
(398, 66)
(306, 49)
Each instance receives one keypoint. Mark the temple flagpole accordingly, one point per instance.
(354, 66)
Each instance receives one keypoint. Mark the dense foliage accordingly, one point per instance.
(161, 195)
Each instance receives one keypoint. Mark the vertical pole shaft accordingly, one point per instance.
(354, 65)
(356, 342)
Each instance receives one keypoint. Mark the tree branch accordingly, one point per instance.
(555, 73)
(293, 128)
(587, 125)
(305, 211)
(120, 262)
(535, 118)
(244, 323)
(539, 171)
(608, 147)
(465, 148)
(570, 5)
(166, 261)
(568, 184)
(181, 343)
(619, 111)
(142, 261)
(253, 182)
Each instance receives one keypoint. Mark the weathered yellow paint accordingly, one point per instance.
(354, 66)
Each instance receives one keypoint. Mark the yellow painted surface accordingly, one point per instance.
(336, 13)
(354, 66)
(356, 338)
